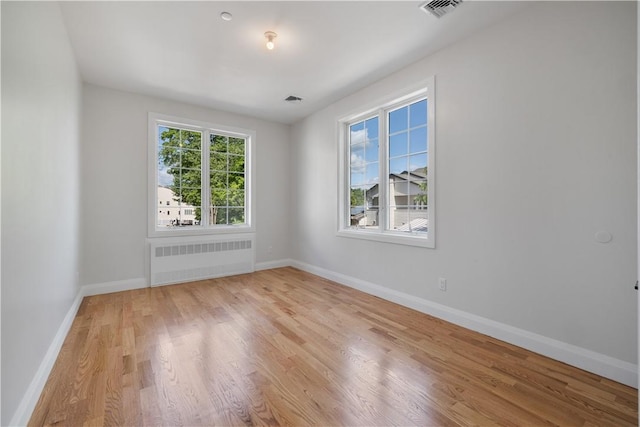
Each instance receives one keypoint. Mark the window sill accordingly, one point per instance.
(389, 237)
(229, 229)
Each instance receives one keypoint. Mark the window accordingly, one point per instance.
(387, 163)
(203, 171)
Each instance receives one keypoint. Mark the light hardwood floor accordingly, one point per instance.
(283, 347)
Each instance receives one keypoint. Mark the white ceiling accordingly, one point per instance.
(324, 51)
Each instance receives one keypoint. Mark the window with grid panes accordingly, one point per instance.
(387, 190)
(204, 170)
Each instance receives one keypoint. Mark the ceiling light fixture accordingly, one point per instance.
(270, 35)
(226, 16)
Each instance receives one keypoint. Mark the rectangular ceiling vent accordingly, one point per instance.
(439, 8)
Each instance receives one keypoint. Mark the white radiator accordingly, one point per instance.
(183, 260)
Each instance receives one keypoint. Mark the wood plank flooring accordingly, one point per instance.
(283, 347)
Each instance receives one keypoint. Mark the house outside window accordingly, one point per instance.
(204, 172)
(387, 158)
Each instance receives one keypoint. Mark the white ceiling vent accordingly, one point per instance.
(439, 8)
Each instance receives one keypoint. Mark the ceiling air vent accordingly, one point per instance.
(439, 8)
(292, 98)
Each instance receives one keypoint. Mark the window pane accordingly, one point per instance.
(179, 177)
(357, 133)
(357, 178)
(191, 140)
(398, 120)
(371, 175)
(363, 206)
(218, 162)
(407, 164)
(399, 187)
(371, 150)
(357, 156)
(236, 181)
(236, 198)
(418, 138)
(165, 177)
(364, 172)
(236, 163)
(174, 213)
(398, 165)
(371, 217)
(418, 193)
(185, 193)
(218, 179)
(236, 216)
(219, 143)
(410, 219)
(418, 113)
(219, 215)
(188, 177)
(219, 197)
(228, 193)
(372, 198)
(237, 146)
(418, 163)
(398, 144)
(398, 217)
(371, 126)
(357, 197)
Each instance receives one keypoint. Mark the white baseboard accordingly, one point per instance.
(268, 265)
(606, 366)
(30, 399)
(597, 363)
(117, 286)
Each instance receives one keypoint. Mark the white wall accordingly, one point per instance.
(536, 152)
(114, 181)
(41, 113)
(535, 133)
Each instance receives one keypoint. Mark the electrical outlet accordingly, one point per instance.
(270, 249)
(442, 284)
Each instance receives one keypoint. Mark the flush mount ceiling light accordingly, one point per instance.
(270, 35)
(226, 16)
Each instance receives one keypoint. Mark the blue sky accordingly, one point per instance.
(407, 144)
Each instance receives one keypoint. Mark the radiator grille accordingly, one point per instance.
(197, 248)
(181, 261)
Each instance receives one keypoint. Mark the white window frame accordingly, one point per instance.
(206, 128)
(424, 89)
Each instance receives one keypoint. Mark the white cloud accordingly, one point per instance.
(357, 163)
(358, 136)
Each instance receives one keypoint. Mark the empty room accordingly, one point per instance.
(358, 213)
